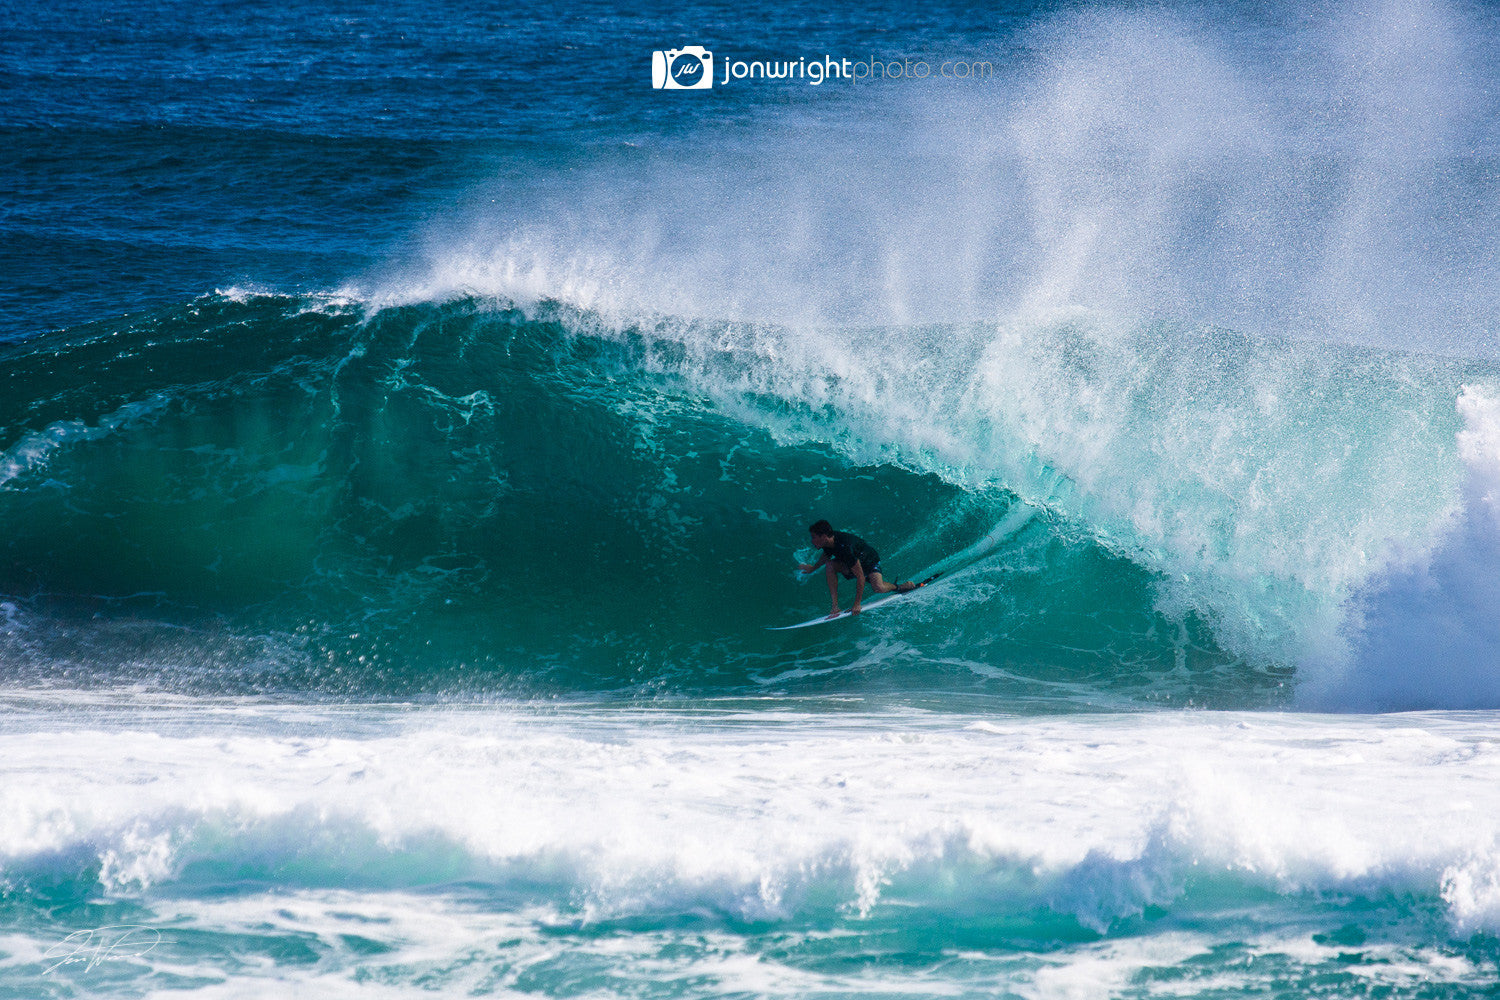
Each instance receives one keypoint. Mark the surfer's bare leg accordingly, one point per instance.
(832, 573)
(881, 586)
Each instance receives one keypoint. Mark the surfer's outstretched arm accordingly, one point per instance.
(806, 568)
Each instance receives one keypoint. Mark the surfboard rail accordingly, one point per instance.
(872, 605)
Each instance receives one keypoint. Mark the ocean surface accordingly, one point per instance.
(410, 420)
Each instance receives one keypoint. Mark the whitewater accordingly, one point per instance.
(410, 424)
(778, 847)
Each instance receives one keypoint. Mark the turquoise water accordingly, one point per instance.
(410, 422)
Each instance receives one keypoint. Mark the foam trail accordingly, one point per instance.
(35, 450)
(1015, 519)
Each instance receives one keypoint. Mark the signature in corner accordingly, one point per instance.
(102, 944)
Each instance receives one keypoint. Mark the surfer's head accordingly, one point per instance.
(822, 534)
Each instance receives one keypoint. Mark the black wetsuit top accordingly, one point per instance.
(850, 549)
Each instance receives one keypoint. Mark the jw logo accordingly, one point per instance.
(688, 68)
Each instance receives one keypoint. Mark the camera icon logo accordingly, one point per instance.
(688, 68)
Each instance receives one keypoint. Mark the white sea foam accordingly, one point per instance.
(1097, 818)
(453, 847)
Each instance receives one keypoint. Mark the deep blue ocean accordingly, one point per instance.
(411, 417)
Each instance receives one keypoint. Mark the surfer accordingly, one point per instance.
(852, 557)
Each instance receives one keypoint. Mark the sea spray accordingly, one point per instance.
(1424, 631)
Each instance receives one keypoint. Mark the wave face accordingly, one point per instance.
(476, 495)
(1169, 339)
(442, 497)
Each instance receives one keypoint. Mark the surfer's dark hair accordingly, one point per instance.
(820, 528)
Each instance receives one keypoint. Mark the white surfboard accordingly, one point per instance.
(875, 604)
